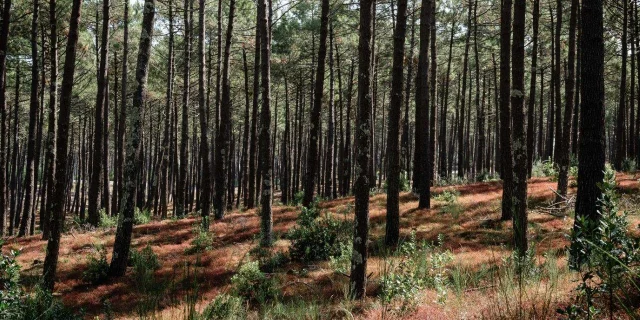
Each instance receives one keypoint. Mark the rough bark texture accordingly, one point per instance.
(4, 37)
(358, 280)
(506, 162)
(393, 148)
(59, 191)
(421, 153)
(205, 189)
(133, 162)
(265, 126)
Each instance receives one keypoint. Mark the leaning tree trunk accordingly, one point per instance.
(358, 280)
(122, 242)
(59, 190)
(591, 152)
(393, 149)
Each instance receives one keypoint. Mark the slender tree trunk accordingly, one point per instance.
(94, 185)
(254, 120)
(205, 193)
(57, 201)
(506, 158)
(565, 148)
(519, 135)
(244, 175)
(465, 67)
(4, 39)
(182, 188)
(358, 280)
(421, 153)
(164, 166)
(532, 88)
(314, 130)
(122, 242)
(224, 129)
(558, 84)
(33, 114)
(620, 144)
(265, 124)
(393, 151)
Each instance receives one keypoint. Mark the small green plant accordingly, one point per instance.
(106, 220)
(629, 165)
(97, 270)
(298, 197)
(225, 307)
(544, 168)
(202, 241)
(342, 261)
(319, 239)
(447, 196)
(270, 262)
(141, 216)
(253, 284)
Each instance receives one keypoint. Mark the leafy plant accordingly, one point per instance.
(106, 220)
(629, 165)
(201, 242)
(253, 284)
(544, 168)
(319, 239)
(97, 270)
(141, 216)
(225, 307)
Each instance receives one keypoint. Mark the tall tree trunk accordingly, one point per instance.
(205, 193)
(224, 129)
(164, 166)
(565, 148)
(4, 39)
(254, 120)
(94, 185)
(393, 151)
(244, 160)
(182, 189)
(358, 280)
(465, 67)
(519, 135)
(122, 242)
(506, 158)
(421, 153)
(442, 140)
(433, 89)
(33, 114)
(558, 83)
(532, 87)
(265, 124)
(591, 152)
(314, 130)
(57, 200)
(620, 143)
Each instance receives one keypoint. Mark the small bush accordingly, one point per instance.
(298, 197)
(225, 307)
(544, 168)
(342, 261)
(202, 241)
(271, 262)
(629, 165)
(254, 285)
(106, 220)
(447, 196)
(141, 216)
(145, 263)
(97, 270)
(319, 239)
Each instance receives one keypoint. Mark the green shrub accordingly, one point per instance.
(225, 307)
(607, 255)
(97, 270)
(42, 305)
(271, 262)
(544, 168)
(254, 285)
(342, 261)
(145, 263)
(319, 239)
(447, 196)
(106, 220)
(11, 292)
(629, 165)
(141, 216)
(203, 241)
(298, 197)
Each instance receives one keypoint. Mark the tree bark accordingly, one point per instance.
(122, 242)
(506, 158)
(421, 153)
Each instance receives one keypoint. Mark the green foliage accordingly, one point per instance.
(269, 261)
(342, 261)
(141, 216)
(253, 284)
(298, 197)
(607, 255)
(203, 241)
(225, 307)
(318, 239)
(18, 305)
(97, 270)
(145, 263)
(106, 220)
(451, 205)
(294, 310)
(544, 168)
(629, 165)
(417, 266)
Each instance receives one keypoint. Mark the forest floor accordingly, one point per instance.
(471, 230)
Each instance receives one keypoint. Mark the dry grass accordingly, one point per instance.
(476, 238)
